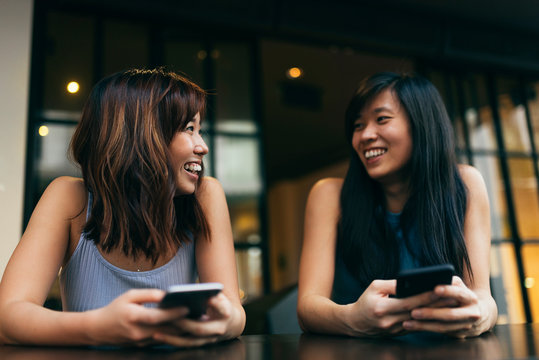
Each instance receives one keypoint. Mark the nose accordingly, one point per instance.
(369, 133)
(200, 147)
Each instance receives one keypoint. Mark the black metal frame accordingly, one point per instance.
(500, 153)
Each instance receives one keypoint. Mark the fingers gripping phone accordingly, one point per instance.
(417, 281)
(193, 296)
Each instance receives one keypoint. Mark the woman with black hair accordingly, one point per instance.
(141, 219)
(405, 203)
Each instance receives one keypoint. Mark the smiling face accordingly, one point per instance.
(382, 138)
(187, 149)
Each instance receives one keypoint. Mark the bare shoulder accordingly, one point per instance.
(472, 178)
(326, 189)
(66, 193)
(210, 191)
(324, 199)
(209, 186)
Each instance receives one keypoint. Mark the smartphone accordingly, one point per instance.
(417, 281)
(193, 296)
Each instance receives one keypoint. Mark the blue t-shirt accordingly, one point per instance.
(347, 289)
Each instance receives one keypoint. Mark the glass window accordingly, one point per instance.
(68, 57)
(525, 197)
(513, 116)
(530, 254)
(249, 263)
(125, 46)
(186, 57)
(237, 164)
(533, 105)
(479, 116)
(245, 219)
(208, 158)
(52, 149)
(505, 284)
(234, 88)
(489, 167)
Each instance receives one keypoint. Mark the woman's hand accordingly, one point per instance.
(212, 327)
(126, 321)
(463, 315)
(375, 313)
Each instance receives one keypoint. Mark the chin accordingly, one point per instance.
(185, 189)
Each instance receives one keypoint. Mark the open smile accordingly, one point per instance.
(193, 168)
(374, 153)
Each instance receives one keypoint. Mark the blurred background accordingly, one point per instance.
(280, 74)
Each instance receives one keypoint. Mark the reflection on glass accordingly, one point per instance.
(490, 169)
(479, 115)
(53, 158)
(234, 90)
(533, 106)
(250, 272)
(524, 188)
(245, 219)
(513, 116)
(505, 283)
(237, 164)
(125, 46)
(68, 56)
(530, 255)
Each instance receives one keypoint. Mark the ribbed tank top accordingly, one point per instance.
(89, 281)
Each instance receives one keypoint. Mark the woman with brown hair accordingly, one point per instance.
(141, 219)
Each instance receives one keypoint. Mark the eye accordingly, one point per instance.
(382, 118)
(189, 128)
(358, 126)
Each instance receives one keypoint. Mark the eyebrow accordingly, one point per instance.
(381, 109)
(376, 111)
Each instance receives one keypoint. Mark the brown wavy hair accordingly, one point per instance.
(121, 145)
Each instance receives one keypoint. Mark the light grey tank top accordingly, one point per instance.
(89, 281)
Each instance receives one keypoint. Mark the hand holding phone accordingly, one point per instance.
(420, 280)
(193, 296)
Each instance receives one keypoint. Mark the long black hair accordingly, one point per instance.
(437, 203)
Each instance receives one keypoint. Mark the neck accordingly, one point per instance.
(396, 195)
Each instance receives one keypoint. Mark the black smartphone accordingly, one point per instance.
(420, 280)
(193, 296)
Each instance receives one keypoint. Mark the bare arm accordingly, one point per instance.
(475, 310)
(374, 313)
(216, 262)
(33, 268)
(316, 312)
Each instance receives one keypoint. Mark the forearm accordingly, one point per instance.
(319, 314)
(30, 324)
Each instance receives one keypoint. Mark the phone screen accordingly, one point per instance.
(193, 296)
(417, 281)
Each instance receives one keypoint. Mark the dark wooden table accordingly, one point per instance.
(505, 342)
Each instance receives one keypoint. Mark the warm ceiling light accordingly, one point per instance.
(201, 54)
(73, 87)
(294, 73)
(43, 130)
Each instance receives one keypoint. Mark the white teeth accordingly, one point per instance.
(375, 152)
(192, 167)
